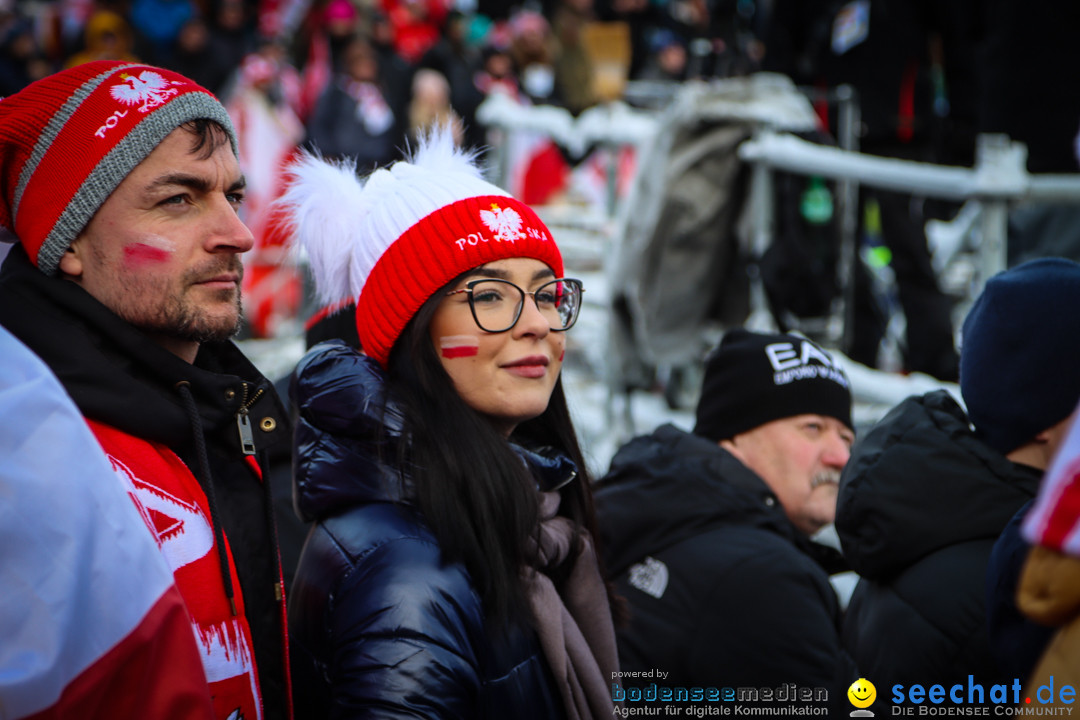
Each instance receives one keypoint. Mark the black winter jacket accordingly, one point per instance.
(1016, 641)
(380, 625)
(118, 376)
(724, 591)
(921, 503)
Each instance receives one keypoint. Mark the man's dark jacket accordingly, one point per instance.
(922, 501)
(118, 376)
(724, 591)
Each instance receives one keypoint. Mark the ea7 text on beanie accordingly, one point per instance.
(755, 378)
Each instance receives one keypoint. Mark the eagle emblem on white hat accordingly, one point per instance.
(504, 222)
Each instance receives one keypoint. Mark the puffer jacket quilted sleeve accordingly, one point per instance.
(380, 625)
(390, 632)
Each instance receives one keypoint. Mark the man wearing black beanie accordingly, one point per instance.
(708, 533)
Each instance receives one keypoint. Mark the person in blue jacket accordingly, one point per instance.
(450, 571)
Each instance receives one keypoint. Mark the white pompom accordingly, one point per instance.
(436, 151)
(345, 224)
(323, 204)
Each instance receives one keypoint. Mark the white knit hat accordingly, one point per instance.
(391, 242)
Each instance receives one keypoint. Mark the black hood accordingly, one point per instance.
(346, 443)
(919, 481)
(119, 376)
(671, 485)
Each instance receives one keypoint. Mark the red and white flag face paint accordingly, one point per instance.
(92, 624)
(152, 250)
(459, 346)
(1054, 519)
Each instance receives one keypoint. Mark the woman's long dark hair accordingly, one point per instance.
(475, 493)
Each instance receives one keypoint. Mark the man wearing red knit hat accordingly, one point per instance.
(121, 185)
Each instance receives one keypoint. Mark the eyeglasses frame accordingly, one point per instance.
(521, 306)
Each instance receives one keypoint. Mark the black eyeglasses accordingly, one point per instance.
(496, 304)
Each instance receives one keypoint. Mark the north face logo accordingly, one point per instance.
(650, 577)
(149, 88)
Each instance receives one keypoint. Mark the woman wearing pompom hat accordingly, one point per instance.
(450, 571)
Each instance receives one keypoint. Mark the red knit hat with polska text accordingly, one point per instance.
(68, 140)
(391, 242)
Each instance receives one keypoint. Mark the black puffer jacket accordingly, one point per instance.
(380, 625)
(921, 503)
(724, 591)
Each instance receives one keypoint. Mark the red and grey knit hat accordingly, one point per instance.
(391, 242)
(68, 140)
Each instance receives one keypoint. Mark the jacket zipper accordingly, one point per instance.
(243, 421)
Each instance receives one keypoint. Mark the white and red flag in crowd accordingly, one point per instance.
(92, 625)
(269, 131)
(1054, 519)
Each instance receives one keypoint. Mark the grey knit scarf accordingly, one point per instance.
(576, 631)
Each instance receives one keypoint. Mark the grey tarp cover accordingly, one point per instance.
(679, 263)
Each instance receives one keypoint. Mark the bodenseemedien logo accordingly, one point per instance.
(862, 694)
(697, 702)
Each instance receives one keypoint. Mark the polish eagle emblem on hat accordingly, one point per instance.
(504, 222)
(149, 88)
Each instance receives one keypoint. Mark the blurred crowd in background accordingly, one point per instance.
(929, 74)
(402, 60)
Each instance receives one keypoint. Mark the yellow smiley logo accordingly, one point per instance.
(862, 693)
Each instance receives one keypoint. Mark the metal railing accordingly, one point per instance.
(998, 179)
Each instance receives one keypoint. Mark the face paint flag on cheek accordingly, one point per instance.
(457, 346)
(151, 252)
